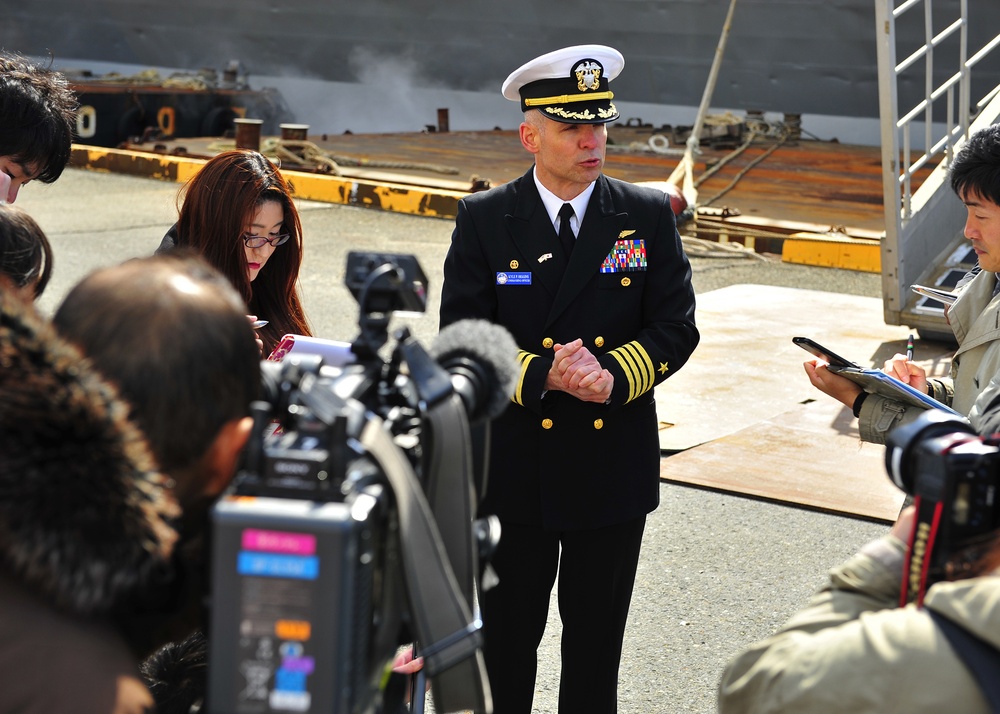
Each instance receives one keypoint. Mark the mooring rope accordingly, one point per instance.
(704, 248)
(726, 159)
(743, 172)
(329, 161)
(723, 227)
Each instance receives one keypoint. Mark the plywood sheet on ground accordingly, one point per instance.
(745, 419)
(809, 455)
(746, 369)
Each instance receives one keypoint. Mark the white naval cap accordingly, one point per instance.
(569, 85)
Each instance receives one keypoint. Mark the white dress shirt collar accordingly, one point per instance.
(553, 203)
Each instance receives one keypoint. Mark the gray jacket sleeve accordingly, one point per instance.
(880, 414)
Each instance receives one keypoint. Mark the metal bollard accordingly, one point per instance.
(248, 133)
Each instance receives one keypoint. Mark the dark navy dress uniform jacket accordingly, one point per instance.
(556, 461)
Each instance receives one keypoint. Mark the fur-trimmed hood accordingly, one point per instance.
(83, 514)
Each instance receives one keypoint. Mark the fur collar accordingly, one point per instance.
(83, 516)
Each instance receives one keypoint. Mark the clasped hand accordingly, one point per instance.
(845, 391)
(576, 371)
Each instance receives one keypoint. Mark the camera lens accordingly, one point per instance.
(904, 444)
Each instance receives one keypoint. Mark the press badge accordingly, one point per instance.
(514, 278)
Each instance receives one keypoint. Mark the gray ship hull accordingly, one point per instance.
(790, 56)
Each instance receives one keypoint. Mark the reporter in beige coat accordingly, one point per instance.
(974, 317)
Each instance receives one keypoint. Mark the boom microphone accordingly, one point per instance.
(481, 358)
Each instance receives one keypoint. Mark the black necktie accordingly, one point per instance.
(566, 236)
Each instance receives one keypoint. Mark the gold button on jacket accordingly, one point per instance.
(546, 423)
(598, 423)
(547, 343)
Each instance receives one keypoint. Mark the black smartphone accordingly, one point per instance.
(829, 356)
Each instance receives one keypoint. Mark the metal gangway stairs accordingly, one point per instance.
(924, 242)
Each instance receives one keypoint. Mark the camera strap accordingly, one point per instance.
(449, 489)
(442, 619)
(918, 553)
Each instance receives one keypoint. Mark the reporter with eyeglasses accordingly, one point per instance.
(238, 213)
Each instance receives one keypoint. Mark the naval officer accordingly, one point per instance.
(588, 274)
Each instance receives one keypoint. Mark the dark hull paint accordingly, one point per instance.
(792, 56)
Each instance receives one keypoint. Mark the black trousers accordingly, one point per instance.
(596, 574)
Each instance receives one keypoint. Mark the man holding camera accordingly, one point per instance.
(588, 275)
(854, 649)
(974, 317)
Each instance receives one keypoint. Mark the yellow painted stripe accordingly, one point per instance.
(414, 200)
(832, 252)
(137, 163)
(399, 198)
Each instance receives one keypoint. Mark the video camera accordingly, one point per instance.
(349, 528)
(952, 475)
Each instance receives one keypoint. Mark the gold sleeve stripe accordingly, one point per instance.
(646, 368)
(628, 365)
(523, 359)
(638, 368)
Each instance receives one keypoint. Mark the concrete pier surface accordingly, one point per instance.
(719, 569)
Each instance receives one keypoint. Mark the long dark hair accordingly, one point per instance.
(218, 204)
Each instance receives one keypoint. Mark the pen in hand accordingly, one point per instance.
(909, 349)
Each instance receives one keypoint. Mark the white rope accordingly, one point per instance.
(703, 248)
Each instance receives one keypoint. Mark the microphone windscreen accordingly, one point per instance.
(488, 345)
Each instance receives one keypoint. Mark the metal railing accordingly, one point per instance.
(916, 227)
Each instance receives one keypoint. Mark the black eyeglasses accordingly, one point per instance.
(253, 241)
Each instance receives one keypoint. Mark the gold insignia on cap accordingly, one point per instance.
(626, 282)
(586, 115)
(569, 85)
(546, 423)
(599, 341)
(588, 75)
(547, 343)
(514, 264)
(625, 234)
(663, 367)
(598, 423)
